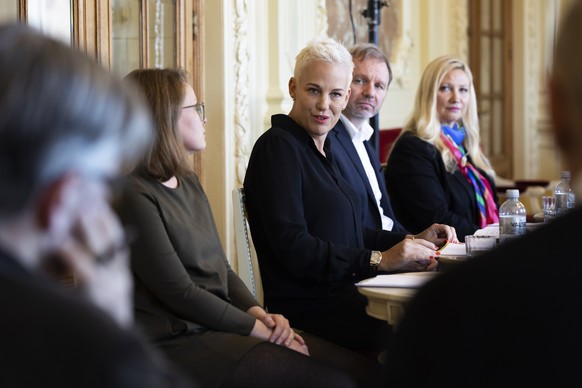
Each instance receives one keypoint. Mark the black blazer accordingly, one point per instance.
(305, 219)
(509, 318)
(353, 171)
(423, 192)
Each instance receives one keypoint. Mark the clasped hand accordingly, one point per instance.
(276, 329)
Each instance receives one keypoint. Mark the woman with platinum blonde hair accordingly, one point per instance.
(307, 221)
(437, 171)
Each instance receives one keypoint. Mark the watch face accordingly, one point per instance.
(375, 258)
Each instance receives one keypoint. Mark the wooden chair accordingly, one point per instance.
(248, 266)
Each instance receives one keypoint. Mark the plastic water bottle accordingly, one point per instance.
(563, 192)
(512, 217)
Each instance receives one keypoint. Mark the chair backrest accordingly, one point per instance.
(248, 266)
(387, 139)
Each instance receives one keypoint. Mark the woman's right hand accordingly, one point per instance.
(299, 345)
(282, 333)
(261, 331)
(410, 254)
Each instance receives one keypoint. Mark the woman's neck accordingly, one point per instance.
(319, 143)
(172, 183)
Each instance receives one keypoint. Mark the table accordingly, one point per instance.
(388, 302)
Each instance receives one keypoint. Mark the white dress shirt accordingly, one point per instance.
(358, 138)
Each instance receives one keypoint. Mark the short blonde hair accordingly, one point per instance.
(326, 50)
(424, 121)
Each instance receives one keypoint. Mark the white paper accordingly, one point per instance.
(493, 229)
(399, 280)
(452, 249)
(489, 230)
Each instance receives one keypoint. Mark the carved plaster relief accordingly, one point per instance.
(395, 38)
(459, 39)
(321, 19)
(243, 138)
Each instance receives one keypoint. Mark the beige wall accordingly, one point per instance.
(250, 49)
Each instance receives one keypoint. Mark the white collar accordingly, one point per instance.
(364, 134)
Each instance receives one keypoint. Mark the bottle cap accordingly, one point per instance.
(565, 174)
(512, 193)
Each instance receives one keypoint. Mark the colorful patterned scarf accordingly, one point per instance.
(483, 192)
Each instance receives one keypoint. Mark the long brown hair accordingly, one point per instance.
(164, 90)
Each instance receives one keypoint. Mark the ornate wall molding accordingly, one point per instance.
(459, 40)
(321, 19)
(404, 50)
(395, 37)
(402, 64)
(242, 122)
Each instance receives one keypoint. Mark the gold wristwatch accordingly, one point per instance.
(375, 259)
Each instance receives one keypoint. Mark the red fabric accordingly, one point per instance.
(387, 139)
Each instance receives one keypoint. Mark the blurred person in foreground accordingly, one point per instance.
(436, 171)
(66, 127)
(306, 220)
(188, 299)
(512, 316)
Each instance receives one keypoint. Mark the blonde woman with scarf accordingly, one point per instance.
(437, 172)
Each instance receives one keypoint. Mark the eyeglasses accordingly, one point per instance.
(199, 108)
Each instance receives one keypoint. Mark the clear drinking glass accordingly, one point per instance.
(549, 207)
(477, 245)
